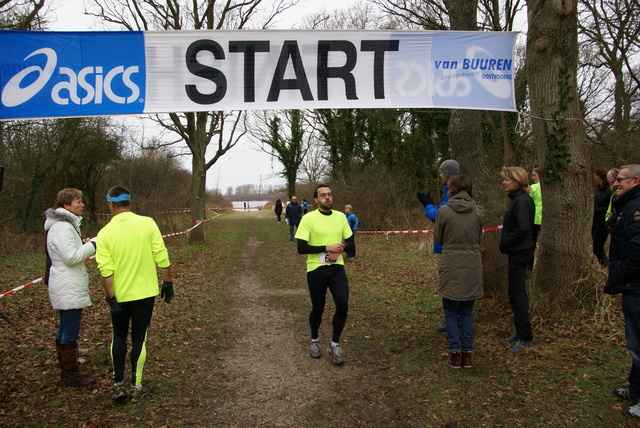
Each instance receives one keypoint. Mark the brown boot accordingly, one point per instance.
(466, 359)
(59, 354)
(71, 366)
(455, 359)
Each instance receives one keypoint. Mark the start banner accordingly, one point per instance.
(66, 74)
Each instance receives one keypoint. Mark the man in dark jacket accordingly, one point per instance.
(517, 244)
(624, 273)
(293, 215)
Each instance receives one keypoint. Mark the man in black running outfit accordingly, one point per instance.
(320, 236)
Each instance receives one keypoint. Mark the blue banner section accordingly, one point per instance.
(45, 74)
(466, 69)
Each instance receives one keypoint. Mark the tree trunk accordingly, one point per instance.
(197, 196)
(465, 138)
(559, 137)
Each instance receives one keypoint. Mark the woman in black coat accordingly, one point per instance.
(601, 199)
(517, 244)
(278, 209)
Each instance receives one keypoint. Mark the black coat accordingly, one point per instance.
(601, 199)
(624, 251)
(278, 207)
(518, 224)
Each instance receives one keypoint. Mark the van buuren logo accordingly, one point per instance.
(90, 84)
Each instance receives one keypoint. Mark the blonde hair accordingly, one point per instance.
(348, 207)
(67, 196)
(519, 175)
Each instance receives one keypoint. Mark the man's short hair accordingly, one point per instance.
(315, 192)
(116, 191)
(634, 169)
(458, 183)
(67, 196)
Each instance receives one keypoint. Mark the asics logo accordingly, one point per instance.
(93, 83)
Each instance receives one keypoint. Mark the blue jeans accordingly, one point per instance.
(69, 327)
(631, 311)
(458, 320)
(291, 230)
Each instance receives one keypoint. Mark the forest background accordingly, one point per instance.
(577, 94)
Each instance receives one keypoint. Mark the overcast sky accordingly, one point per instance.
(244, 164)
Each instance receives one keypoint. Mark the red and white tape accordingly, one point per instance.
(35, 281)
(392, 232)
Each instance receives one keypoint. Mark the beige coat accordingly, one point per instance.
(459, 229)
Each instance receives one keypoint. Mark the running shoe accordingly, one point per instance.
(314, 350)
(137, 392)
(336, 355)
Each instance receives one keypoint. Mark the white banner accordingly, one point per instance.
(56, 74)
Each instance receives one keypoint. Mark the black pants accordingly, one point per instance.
(534, 232)
(138, 313)
(335, 279)
(599, 236)
(518, 297)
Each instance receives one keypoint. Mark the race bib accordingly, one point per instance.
(324, 259)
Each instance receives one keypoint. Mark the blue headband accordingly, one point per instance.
(120, 198)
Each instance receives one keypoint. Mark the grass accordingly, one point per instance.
(390, 341)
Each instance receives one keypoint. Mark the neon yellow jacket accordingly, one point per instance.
(536, 194)
(129, 247)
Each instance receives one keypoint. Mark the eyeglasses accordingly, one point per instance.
(619, 180)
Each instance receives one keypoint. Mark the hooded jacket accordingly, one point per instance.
(624, 251)
(459, 230)
(68, 278)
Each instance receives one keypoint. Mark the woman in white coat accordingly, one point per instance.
(67, 279)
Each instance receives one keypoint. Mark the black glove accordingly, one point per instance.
(425, 199)
(113, 304)
(167, 291)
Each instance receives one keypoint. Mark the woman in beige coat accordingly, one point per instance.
(459, 230)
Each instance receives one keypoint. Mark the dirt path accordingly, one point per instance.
(269, 378)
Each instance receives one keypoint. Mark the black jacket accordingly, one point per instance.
(624, 251)
(518, 224)
(601, 199)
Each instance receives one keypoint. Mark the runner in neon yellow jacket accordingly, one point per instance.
(128, 250)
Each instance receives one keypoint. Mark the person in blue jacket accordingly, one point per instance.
(353, 224)
(448, 169)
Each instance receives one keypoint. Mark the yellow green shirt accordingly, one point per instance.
(129, 247)
(536, 194)
(320, 229)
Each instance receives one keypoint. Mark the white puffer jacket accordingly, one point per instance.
(68, 278)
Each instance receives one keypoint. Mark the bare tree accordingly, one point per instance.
(315, 166)
(196, 129)
(609, 34)
(287, 145)
(558, 133)
(21, 14)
